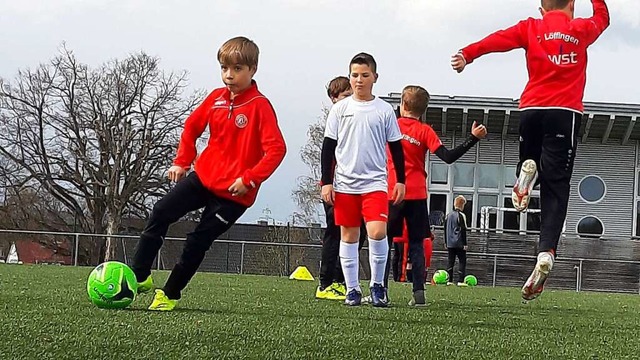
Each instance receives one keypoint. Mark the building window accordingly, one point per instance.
(511, 219)
(439, 173)
(509, 174)
(592, 189)
(487, 200)
(590, 226)
(437, 209)
(488, 176)
(463, 175)
(637, 218)
(533, 219)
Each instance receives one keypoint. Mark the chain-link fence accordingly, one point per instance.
(491, 267)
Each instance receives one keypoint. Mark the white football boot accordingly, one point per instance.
(524, 185)
(535, 283)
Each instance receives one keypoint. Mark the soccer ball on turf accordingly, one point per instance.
(112, 285)
(470, 280)
(440, 277)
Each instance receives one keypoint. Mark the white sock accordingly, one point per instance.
(349, 262)
(378, 253)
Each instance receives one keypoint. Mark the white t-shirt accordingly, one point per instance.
(362, 130)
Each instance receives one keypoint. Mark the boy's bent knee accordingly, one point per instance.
(377, 230)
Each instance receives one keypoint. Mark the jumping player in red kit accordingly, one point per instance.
(551, 111)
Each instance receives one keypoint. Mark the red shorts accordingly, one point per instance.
(350, 209)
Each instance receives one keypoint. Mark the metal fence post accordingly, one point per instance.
(242, 258)
(227, 267)
(288, 262)
(580, 276)
(76, 247)
(495, 269)
(158, 260)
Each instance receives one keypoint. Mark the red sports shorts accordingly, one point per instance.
(350, 209)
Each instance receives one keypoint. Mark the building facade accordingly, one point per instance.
(605, 188)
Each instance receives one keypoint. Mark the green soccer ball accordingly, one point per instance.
(470, 280)
(440, 277)
(112, 285)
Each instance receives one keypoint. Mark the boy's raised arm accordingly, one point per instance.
(500, 41)
(594, 26)
(478, 132)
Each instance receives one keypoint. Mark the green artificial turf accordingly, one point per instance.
(45, 314)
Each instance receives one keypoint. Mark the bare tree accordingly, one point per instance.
(97, 141)
(307, 192)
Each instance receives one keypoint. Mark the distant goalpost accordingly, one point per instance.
(486, 211)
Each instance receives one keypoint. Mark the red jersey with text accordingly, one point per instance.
(245, 142)
(556, 53)
(417, 140)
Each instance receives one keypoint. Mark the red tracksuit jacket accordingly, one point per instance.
(556, 51)
(245, 141)
(417, 139)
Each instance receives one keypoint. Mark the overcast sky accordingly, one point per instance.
(304, 44)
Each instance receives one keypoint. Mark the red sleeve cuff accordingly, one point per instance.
(186, 167)
(248, 182)
(465, 56)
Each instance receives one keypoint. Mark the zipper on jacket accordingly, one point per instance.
(230, 110)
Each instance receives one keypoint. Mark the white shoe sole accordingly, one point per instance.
(538, 277)
(524, 185)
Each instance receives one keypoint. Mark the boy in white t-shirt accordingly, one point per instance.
(357, 131)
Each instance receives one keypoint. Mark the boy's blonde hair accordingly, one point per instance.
(415, 99)
(337, 86)
(459, 202)
(239, 50)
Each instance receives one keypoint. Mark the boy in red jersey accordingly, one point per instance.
(245, 147)
(551, 112)
(357, 131)
(417, 140)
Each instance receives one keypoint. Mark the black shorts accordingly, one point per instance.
(416, 214)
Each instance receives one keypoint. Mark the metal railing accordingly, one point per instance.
(278, 258)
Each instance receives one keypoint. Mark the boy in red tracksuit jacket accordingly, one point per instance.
(402, 267)
(245, 147)
(417, 140)
(551, 111)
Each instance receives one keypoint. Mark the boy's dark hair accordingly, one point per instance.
(239, 50)
(364, 59)
(415, 99)
(338, 85)
(554, 4)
